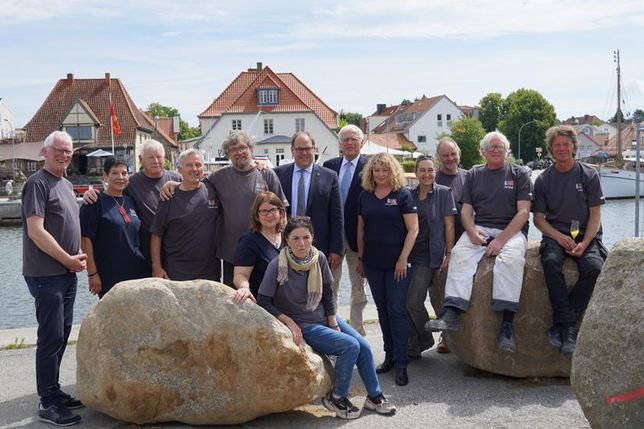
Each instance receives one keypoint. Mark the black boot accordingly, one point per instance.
(402, 379)
(385, 366)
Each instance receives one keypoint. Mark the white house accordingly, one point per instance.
(270, 107)
(587, 144)
(422, 122)
(7, 121)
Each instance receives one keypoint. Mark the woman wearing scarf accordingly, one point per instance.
(297, 290)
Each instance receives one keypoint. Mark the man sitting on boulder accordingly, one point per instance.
(567, 210)
(496, 206)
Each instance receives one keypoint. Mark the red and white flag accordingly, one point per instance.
(116, 128)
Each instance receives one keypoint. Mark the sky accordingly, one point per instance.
(352, 54)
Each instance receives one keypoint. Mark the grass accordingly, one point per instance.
(17, 344)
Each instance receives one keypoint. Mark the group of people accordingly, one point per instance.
(279, 237)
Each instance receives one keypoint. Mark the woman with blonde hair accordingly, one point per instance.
(387, 230)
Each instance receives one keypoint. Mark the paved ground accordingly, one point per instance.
(443, 392)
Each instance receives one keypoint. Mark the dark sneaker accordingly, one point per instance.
(554, 337)
(505, 340)
(58, 415)
(342, 407)
(447, 322)
(69, 401)
(569, 335)
(402, 379)
(380, 405)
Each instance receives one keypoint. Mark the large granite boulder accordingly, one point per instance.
(155, 350)
(608, 365)
(475, 343)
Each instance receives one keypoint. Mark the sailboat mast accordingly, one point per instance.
(618, 114)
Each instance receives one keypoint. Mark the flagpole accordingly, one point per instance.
(111, 122)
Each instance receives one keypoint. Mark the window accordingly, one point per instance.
(299, 125)
(439, 120)
(422, 139)
(267, 96)
(268, 126)
(237, 125)
(448, 117)
(266, 151)
(279, 155)
(80, 132)
(32, 166)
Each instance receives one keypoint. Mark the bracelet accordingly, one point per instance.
(333, 326)
(93, 274)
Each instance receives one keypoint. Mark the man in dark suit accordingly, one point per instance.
(349, 168)
(314, 191)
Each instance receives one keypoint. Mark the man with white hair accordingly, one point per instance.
(451, 175)
(349, 168)
(143, 188)
(51, 259)
(496, 206)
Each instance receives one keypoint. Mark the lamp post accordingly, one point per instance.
(521, 129)
(13, 150)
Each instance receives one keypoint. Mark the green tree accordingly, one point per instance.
(185, 130)
(638, 116)
(349, 118)
(467, 133)
(527, 108)
(492, 110)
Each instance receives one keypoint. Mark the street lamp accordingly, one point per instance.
(521, 129)
(13, 149)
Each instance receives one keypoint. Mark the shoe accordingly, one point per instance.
(58, 415)
(380, 405)
(414, 356)
(69, 401)
(385, 366)
(569, 335)
(342, 407)
(505, 340)
(402, 379)
(554, 337)
(442, 346)
(447, 322)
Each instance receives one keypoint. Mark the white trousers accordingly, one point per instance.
(508, 271)
(358, 295)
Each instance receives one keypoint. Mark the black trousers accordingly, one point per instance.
(567, 307)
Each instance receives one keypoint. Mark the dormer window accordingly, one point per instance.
(268, 96)
(80, 132)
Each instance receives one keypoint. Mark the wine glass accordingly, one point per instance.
(574, 228)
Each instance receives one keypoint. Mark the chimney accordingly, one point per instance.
(380, 108)
(70, 77)
(108, 80)
(259, 66)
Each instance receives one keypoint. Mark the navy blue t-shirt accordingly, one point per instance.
(115, 243)
(254, 250)
(384, 226)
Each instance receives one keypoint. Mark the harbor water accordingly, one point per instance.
(17, 307)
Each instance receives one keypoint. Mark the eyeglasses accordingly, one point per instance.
(496, 148)
(61, 151)
(238, 149)
(266, 212)
(304, 149)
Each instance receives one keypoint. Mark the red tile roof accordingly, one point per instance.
(392, 140)
(241, 97)
(414, 110)
(628, 136)
(93, 94)
(160, 128)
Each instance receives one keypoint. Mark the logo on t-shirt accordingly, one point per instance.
(579, 187)
(261, 186)
(391, 202)
(212, 204)
(133, 213)
(508, 184)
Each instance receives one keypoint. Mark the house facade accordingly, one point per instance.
(81, 107)
(422, 122)
(270, 107)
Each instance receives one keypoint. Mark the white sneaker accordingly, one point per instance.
(380, 405)
(342, 407)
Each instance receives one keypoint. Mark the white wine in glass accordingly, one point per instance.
(574, 229)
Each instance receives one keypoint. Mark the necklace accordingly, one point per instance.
(275, 242)
(122, 211)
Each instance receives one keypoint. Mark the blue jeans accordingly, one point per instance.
(390, 297)
(351, 349)
(54, 298)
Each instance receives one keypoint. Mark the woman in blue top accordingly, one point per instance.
(110, 233)
(259, 246)
(387, 229)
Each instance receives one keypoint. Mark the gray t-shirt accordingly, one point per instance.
(290, 297)
(494, 194)
(53, 199)
(236, 191)
(563, 197)
(145, 193)
(187, 225)
(456, 182)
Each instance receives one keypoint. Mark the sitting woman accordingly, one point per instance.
(259, 246)
(297, 290)
(110, 233)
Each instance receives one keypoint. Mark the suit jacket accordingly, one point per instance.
(351, 204)
(323, 205)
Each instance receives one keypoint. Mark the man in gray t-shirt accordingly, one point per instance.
(451, 175)
(51, 259)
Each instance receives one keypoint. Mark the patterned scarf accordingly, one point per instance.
(310, 264)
